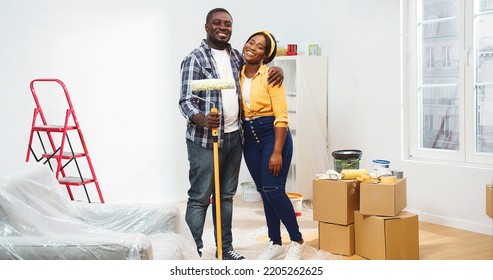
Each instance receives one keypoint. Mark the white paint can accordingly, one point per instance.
(297, 201)
(249, 192)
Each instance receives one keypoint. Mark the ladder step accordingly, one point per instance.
(75, 181)
(65, 155)
(53, 128)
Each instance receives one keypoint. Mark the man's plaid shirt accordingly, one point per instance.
(198, 65)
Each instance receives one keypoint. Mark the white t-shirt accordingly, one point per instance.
(246, 90)
(231, 107)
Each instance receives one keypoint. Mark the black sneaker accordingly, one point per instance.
(232, 255)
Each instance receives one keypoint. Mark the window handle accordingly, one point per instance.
(468, 52)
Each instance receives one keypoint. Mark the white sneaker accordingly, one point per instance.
(295, 251)
(271, 252)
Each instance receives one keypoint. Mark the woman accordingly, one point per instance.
(268, 145)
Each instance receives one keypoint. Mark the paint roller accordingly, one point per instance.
(215, 84)
(212, 84)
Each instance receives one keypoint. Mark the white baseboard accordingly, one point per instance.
(455, 223)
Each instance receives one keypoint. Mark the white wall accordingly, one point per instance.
(120, 61)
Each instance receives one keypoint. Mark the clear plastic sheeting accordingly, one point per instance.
(38, 221)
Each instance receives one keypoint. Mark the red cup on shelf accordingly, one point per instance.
(292, 49)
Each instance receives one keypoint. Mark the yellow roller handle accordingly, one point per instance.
(215, 131)
(217, 191)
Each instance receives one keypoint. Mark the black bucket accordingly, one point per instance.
(346, 159)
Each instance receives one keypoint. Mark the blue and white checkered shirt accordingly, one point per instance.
(198, 65)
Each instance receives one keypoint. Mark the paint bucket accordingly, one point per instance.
(250, 193)
(297, 201)
(346, 159)
(380, 163)
(381, 167)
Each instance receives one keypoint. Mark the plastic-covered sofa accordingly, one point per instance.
(38, 222)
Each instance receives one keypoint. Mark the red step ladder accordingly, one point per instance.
(60, 148)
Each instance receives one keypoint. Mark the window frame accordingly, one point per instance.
(413, 64)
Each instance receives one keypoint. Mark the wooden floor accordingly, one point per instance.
(438, 242)
(445, 243)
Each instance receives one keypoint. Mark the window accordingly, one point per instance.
(484, 76)
(446, 56)
(431, 61)
(448, 72)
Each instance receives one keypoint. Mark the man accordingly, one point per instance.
(213, 59)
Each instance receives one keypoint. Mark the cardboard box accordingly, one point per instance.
(387, 238)
(335, 201)
(489, 200)
(336, 239)
(383, 199)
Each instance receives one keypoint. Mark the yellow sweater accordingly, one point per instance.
(265, 100)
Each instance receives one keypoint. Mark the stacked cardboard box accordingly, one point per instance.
(383, 199)
(387, 238)
(489, 200)
(383, 230)
(334, 203)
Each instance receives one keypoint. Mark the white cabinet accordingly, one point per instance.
(305, 82)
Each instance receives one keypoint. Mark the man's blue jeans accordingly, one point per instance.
(259, 144)
(201, 176)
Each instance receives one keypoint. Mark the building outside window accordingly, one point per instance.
(431, 57)
(446, 56)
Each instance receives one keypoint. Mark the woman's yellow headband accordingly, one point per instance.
(272, 42)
